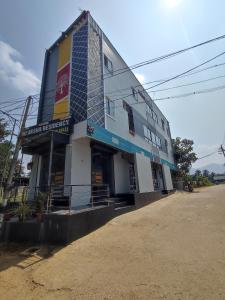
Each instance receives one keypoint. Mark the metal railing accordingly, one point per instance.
(58, 197)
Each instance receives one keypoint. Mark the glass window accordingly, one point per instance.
(108, 64)
(163, 124)
(110, 107)
(134, 93)
(145, 131)
(168, 128)
(153, 138)
(129, 110)
(155, 118)
(166, 145)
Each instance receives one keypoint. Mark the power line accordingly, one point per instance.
(214, 89)
(210, 154)
(160, 80)
(132, 67)
(167, 55)
(189, 84)
(8, 115)
(174, 77)
(170, 79)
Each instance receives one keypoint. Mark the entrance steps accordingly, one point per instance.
(122, 201)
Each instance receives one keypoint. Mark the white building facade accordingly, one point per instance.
(116, 137)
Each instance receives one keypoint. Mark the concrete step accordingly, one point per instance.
(124, 209)
(121, 204)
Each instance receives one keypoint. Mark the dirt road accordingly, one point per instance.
(172, 249)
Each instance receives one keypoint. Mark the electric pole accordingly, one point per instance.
(222, 150)
(17, 148)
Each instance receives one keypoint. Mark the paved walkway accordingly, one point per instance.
(172, 249)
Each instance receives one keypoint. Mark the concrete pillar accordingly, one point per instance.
(34, 176)
(144, 173)
(67, 169)
(81, 172)
(121, 174)
(167, 178)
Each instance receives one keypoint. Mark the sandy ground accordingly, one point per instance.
(171, 249)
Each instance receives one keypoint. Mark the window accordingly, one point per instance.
(151, 113)
(134, 93)
(147, 134)
(163, 124)
(168, 128)
(110, 107)
(155, 118)
(129, 110)
(158, 142)
(108, 64)
(152, 138)
(142, 95)
(166, 146)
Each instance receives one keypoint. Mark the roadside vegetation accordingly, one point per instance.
(201, 178)
(185, 156)
(6, 153)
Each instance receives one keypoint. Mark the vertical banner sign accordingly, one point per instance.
(62, 83)
(61, 107)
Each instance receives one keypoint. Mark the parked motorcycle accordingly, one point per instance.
(188, 187)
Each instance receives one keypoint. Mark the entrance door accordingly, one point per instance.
(157, 174)
(58, 165)
(132, 177)
(102, 169)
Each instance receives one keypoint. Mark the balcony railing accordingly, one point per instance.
(58, 197)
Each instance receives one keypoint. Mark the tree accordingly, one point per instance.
(3, 131)
(5, 148)
(184, 155)
(205, 173)
(211, 176)
(6, 151)
(198, 173)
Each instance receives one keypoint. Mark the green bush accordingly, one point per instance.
(23, 211)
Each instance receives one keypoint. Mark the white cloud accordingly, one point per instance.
(13, 73)
(140, 77)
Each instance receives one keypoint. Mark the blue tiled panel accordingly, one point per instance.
(78, 96)
(95, 101)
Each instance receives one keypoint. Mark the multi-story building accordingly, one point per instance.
(96, 123)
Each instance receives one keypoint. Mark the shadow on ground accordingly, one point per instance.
(24, 256)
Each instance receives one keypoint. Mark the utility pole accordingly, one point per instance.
(222, 150)
(17, 148)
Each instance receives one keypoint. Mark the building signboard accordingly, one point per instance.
(63, 126)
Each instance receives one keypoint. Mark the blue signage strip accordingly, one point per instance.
(103, 135)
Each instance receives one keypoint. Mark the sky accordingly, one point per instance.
(139, 30)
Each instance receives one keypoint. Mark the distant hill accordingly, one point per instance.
(216, 168)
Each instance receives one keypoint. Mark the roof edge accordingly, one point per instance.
(83, 15)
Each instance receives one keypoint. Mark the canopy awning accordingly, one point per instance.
(40, 143)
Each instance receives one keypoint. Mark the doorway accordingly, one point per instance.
(58, 166)
(157, 175)
(102, 171)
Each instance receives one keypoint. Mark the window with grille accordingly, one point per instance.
(108, 64)
(110, 107)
